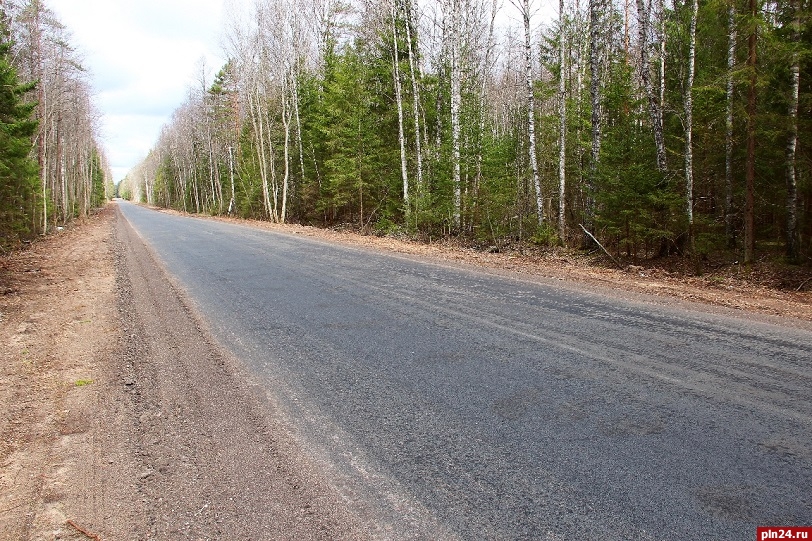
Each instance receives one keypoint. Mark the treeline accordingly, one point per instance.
(659, 126)
(52, 167)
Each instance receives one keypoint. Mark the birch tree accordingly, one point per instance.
(689, 115)
(524, 9)
(456, 102)
(731, 64)
(654, 100)
(595, 11)
(399, 102)
(562, 126)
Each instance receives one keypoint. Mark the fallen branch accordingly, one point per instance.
(615, 261)
(84, 532)
(800, 287)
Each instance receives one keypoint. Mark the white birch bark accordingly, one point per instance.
(655, 108)
(562, 125)
(404, 171)
(410, 13)
(456, 99)
(486, 66)
(731, 64)
(232, 204)
(595, 11)
(287, 117)
(689, 119)
(531, 111)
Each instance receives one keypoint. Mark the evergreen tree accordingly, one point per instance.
(18, 172)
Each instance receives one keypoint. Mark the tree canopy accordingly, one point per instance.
(652, 124)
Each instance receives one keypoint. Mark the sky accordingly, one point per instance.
(143, 57)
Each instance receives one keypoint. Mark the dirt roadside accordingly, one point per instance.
(104, 438)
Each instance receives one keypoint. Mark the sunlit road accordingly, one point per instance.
(451, 403)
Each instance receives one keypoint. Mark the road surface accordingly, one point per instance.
(450, 403)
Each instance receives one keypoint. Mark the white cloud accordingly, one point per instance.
(143, 56)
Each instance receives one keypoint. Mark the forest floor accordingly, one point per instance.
(77, 450)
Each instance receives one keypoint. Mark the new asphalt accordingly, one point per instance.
(454, 403)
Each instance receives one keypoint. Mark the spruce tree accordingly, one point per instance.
(18, 172)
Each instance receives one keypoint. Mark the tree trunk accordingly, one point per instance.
(298, 123)
(415, 93)
(482, 96)
(456, 99)
(42, 114)
(404, 171)
(562, 127)
(231, 205)
(259, 141)
(792, 141)
(595, 10)
(689, 121)
(287, 118)
(731, 64)
(750, 168)
(654, 106)
(531, 112)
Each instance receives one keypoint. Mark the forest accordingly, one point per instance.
(659, 126)
(654, 127)
(52, 166)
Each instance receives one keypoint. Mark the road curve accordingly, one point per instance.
(448, 403)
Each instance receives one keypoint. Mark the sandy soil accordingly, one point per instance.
(103, 438)
(122, 419)
(61, 429)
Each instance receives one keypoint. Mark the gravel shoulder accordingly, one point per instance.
(123, 420)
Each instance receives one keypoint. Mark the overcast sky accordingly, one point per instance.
(143, 56)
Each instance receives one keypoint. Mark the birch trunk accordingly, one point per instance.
(287, 115)
(661, 39)
(654, 105)
(232, 204)
(404, 171)
(731, 64)
(456, 99)
(531, 112)
(689, 120)
(579, 92)
(562, 127)
(259, 142)
(595, 10)
(415, 94)
(482, 96)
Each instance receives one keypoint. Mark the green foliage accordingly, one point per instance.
(345, 161)
(18, 173)
(545, 235)
(637, 208)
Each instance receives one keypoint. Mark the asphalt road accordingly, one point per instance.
(449, 403)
